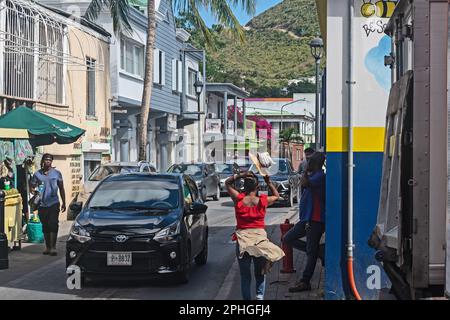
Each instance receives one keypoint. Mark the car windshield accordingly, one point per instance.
(103, 171)
(189, 169)
(280, 167)
(136, 193)
(224, 169)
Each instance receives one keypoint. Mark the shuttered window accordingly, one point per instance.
(159, 67)
(90, 77)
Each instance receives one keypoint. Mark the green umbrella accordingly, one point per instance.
(44, 129)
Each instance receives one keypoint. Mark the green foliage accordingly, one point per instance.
(290, 135)
(296, 16)
(270, 57)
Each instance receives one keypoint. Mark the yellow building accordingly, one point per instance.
(58, 65)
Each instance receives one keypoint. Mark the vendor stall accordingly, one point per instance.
(15, 149)
(21, 131)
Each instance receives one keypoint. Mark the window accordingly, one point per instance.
(192, 77)
(159, 67)
(132, 57)
(90, 78)
(220, 109)
(177, 75)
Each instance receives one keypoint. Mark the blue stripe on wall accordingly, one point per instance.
(367, 176)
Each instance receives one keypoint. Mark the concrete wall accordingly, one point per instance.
(370, 96)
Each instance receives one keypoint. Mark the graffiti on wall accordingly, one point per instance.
(378, 12)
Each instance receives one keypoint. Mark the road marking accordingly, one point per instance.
(225, 289)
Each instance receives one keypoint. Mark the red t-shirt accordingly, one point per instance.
(250, 217)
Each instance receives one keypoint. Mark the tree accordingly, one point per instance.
(119, 10)
(288, 136)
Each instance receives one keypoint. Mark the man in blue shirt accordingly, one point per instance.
(312, 220)
(48, 180)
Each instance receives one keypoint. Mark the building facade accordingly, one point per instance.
(58, 66)
(357, 90)
(175, 70)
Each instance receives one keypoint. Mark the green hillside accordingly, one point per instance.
(275, 52)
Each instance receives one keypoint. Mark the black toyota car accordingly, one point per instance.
(285, 178)
(140, 225)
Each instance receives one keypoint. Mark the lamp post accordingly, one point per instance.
(316, 46)
(198, 90)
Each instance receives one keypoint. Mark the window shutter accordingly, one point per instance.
(174, 75)
(180, 76)
(163, 68)
(156, 66)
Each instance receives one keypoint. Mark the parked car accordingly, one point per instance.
(140, 225)
(225, 170)
(285, 178)
(103, 171)
(204, 175)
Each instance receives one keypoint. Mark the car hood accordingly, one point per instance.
(100, 221)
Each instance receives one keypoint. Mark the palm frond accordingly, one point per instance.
(119, 10)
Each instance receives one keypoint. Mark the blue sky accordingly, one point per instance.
(261, 5)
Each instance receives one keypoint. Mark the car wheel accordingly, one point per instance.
(203, 194)
(183, 275)
(217, 196)
(202, 257)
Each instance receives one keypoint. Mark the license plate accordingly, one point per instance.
(264, 192)
(119, 259)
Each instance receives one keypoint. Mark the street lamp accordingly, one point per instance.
(316, 46)
(198, 90)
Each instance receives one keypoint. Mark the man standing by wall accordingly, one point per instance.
(49, 180)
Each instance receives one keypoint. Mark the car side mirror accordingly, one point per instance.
(76, 207)
(197, 208)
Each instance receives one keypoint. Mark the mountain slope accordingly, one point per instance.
(275, 52)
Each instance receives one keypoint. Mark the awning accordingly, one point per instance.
(13, 133)
(45, 130)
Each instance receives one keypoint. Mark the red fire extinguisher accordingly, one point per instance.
(288, 259)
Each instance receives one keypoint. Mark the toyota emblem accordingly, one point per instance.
(121, 238)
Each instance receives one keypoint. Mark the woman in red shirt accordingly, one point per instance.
(252, 243)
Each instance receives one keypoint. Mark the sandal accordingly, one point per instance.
(300, 286)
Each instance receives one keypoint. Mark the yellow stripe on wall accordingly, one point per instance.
(365, 139)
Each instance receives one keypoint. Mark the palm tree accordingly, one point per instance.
(119, 9)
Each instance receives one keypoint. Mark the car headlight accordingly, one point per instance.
(168, 233)
(79, 233)
(284, 184)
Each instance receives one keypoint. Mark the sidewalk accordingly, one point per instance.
(277, 284)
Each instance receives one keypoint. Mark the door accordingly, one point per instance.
(201, 219)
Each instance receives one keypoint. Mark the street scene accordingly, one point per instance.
(224, 150)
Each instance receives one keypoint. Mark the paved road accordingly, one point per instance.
(34, 276)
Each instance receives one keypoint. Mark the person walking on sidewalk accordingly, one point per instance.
(48, 180)
(312, 220)
(252, 242)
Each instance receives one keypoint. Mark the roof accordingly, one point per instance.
(230, 88)
(81, 20)
(252, 111)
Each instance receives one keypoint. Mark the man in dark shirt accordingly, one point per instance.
(312, 220)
